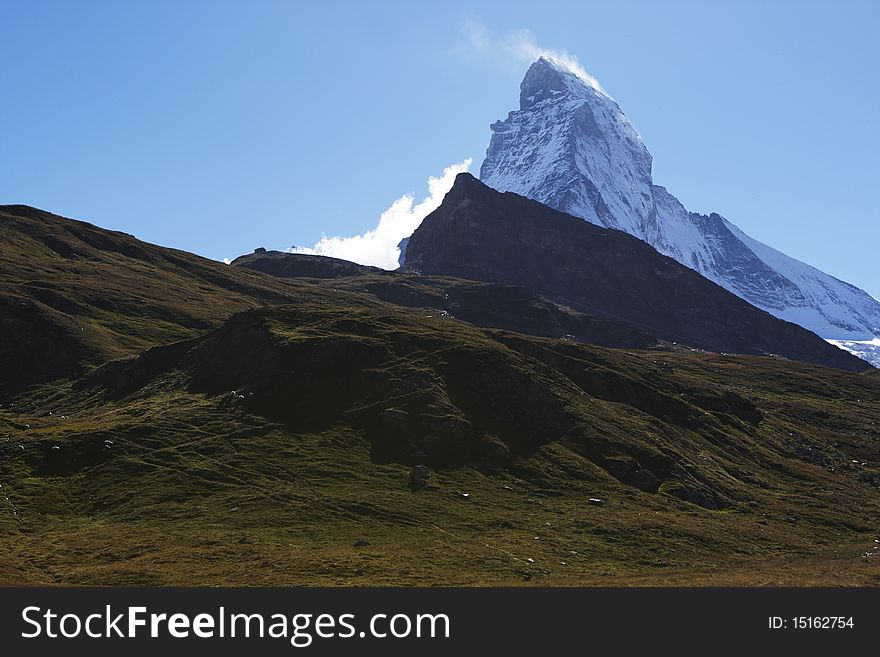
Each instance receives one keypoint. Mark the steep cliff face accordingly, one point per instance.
(571, 147)
(481, 234)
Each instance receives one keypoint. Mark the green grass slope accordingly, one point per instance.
(279, 448)
(73, 295)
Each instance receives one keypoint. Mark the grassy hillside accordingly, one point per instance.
(165, 419)
(73, 295)
(278, 449)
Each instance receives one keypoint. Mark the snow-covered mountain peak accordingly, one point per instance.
(571, 147)
(553, 76)
(546, 80)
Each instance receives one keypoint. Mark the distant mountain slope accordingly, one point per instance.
(510, 307)
(481, 234)
(570, 146)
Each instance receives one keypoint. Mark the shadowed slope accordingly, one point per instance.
(481, 234)
(73, 295)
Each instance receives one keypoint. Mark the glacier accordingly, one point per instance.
(571, 147)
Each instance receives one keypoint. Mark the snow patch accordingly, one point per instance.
(868, 350)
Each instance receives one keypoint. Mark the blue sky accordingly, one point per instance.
(217, 126)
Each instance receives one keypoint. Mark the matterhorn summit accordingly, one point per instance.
(571, 147)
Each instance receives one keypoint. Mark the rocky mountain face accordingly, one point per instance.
(480, 234)
(570, 146)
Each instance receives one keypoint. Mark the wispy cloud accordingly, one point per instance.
(515, 49)
(378, 247)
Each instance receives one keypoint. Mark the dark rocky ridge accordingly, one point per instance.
(298, 265)
(481, 234)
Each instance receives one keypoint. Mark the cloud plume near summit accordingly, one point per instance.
(517, 48)
(378, 247)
